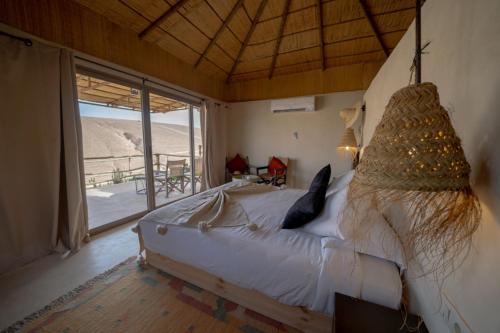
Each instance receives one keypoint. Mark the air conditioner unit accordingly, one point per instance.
(296, 104)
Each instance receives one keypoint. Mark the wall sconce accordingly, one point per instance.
(349, 142)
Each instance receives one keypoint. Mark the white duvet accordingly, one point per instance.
(290, 266)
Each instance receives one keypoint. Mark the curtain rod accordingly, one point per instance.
(26, 41)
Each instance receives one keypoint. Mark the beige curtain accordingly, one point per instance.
(41, 198)
(213, 132)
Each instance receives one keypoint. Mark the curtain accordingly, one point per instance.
(213, 132)
(41, 196)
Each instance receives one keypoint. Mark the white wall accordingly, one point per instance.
(464, 63)
(254, 131)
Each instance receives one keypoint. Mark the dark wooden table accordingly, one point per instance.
(353, 315)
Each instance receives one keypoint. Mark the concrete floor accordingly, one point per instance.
(30, 288)
(107, 204)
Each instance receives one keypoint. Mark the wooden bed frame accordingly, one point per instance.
(297, 317)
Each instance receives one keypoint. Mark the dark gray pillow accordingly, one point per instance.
(307, 207)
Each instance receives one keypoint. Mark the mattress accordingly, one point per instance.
(293, 267)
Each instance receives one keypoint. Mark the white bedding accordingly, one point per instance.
(291, 266)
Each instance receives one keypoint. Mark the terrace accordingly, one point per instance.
(117, 194)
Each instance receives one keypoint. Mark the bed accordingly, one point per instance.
(288, 275)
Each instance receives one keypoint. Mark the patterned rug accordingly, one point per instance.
(128, 298)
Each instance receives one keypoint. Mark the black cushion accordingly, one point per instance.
(307, 207)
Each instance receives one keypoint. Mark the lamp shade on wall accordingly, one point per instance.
(348, 141)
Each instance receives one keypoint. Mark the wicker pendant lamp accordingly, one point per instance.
(416, 158)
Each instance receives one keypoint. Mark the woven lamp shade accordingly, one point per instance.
(416, 157)
(414, 146)
(348, 141)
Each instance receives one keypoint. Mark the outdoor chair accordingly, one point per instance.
(175, 176)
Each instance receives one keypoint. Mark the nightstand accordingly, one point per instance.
(353, 315)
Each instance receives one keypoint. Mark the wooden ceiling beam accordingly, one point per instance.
(319, 11)
(163, 17)
(373, 26)
(247, 38)
(228, 19)
(284, 16)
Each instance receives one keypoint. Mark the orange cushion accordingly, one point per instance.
(237, 164)
(275, 165)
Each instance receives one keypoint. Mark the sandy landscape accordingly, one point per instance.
(118, 145)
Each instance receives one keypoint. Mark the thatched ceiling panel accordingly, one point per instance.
(299, 4)
(229, 42)
(299, 56)
(265, 31)
(249, 76)
(256, 65)
(190, 35)
(302, 20)
(342, 10)
(174, 46)
(394, 21)
(208, 67)
(355, 59)
(150, 9)
(299, 41)
(240, 24)
(258, 51)
(376, 7)
(251, 6)
(222, 7)
(204, 18)
(298, 68)
(217, 56)
(274, 8)
(355, 29)
(117, 13)
(352, 47)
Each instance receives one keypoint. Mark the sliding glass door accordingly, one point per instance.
(171, 148)
(113, 150)
(142, 148)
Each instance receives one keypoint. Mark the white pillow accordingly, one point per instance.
(340, 182)
(365, 231)
(327, 222)
(370, 233)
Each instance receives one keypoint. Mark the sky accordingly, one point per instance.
(179, 117)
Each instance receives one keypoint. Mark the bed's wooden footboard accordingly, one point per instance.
(298, 317)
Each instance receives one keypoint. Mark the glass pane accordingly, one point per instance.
(112, 149)
(198, 149)
(171, 148)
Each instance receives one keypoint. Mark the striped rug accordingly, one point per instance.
(128, 298)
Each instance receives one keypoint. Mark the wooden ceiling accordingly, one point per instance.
(239, 40)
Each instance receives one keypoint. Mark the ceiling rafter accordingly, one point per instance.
(247, 37)
(220, 18)
(310, 62)
(163, 17)
(319, 12)
(373, 26)
(284, 16)
(219, 31)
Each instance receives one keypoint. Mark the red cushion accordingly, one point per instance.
(275, 165)
(237, 164)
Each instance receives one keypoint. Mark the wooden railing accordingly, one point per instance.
(132, 165)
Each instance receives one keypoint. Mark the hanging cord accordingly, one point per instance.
(26, 41)
(414, 62)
